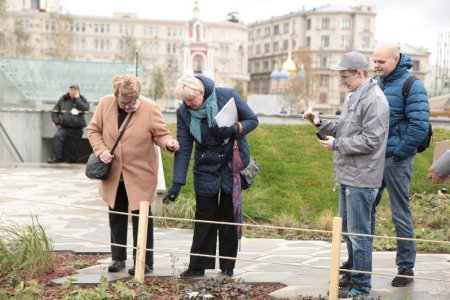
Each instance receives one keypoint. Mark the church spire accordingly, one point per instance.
(196, 9)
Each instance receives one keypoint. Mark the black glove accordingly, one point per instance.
(173, 192)
(225, 132)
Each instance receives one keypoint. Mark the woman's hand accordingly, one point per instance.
(172, 145)
(106, 157)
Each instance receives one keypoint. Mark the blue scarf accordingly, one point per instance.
(208, 110)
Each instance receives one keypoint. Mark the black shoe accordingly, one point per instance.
(345, 281)
(116, 265)
(132, 270)
(53, 161)
(191, 273)
(227, 272)
(402, 281)
(346, 266)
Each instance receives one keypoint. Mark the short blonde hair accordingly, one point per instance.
(188, 87)
(126, 88)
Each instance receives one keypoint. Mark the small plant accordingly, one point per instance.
(26, 250)
(325, 221)
(29, 290)
(183, 208)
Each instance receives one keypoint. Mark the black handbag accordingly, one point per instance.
(248, 174)
(95, 168)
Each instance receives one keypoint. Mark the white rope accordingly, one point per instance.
(300, 265)
(234, 224)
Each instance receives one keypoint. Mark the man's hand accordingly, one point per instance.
(312, 117)
(172, 194)
(328, 143)
(435, 178)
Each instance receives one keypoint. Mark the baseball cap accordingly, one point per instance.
(351, 61)
(74, 86)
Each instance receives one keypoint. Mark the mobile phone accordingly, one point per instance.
(321, 136)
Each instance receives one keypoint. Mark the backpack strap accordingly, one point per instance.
(407, 87)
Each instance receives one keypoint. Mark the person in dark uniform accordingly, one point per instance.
(68, 118)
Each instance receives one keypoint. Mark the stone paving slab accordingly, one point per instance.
(67, 185)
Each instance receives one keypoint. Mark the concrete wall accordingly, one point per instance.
(30, 132)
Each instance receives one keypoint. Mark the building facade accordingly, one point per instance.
(317, 39)
(170, 47)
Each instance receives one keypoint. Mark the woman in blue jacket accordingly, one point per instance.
(212, 174)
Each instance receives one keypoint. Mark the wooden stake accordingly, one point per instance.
(335, 257)
(142, 241)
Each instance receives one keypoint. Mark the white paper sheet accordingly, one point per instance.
(227, 116)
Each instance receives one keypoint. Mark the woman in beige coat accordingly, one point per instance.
(134, 169)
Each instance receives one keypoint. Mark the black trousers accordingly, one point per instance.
(216, 208)
(73, 138)
(119, 228)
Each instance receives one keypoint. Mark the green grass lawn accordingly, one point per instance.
(296, 183)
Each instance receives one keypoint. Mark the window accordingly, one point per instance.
(286, 27)
(308, 41)
(151, 31)
(326, 23)
(308, 24)
(323, 61)
(276, 29)
(258, 50)
(257, 68)
(224, 51)
(276, 47)
(345, 41)
(325, 80)
(416, 65)
(345, 23)
(285, 45)
(35, 4)
(126, 29)
(365, 43)
(250, 50)
(366, 25)
(325, 41)
(258, 33)
(266, 47)
(265, 66)
(266, 31)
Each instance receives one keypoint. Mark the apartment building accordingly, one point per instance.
(216, 49)
(315, 39)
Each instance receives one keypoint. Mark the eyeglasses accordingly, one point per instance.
(346, 77)
(128, 104)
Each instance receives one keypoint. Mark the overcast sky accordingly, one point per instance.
(415, 22)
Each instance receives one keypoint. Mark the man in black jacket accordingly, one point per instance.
(68, 118)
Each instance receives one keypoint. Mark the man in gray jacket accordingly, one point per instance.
(358, 140)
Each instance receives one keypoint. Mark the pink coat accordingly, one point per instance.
(135, 156)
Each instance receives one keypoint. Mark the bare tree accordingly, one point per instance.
(158, 88)
(61, 37)
(127, 48)
(298, 90)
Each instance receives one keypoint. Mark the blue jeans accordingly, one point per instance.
(397, 178)
(355, 208)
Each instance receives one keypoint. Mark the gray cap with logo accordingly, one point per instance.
(352, 61)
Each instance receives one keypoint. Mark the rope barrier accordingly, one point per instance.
(233, 224)
(300, 265)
